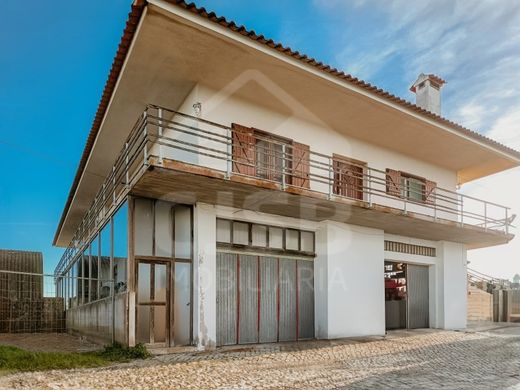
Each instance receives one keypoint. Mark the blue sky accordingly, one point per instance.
(56, 57)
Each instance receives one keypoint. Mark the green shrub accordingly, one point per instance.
(118, 352)
(14, 359)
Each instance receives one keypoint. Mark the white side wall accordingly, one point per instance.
(349, 285)
(204, 276)
(452, 285)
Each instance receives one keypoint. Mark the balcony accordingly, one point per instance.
(184, 158)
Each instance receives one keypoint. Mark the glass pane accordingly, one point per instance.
(143, 227)
(160, 283)
(240, 233)
(94, 257)
(104, 271)
(143, 324)
(182, 304)
(416, 189)
(292, 239)
(159, 324)
(223, 230)
(307, 241)
(120, 247)
(85, 276)
(259, 235)
(275, 237)
(143, 284)
(182, 232)
(163, 229)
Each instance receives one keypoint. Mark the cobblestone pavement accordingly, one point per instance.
(405, 360)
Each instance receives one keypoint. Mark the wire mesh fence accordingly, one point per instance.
(28, 303)
(39, 303)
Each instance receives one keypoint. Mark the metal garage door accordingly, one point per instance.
(263, 299)
(418, 296)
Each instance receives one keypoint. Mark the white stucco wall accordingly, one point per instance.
(204, 276)
(349, 285)
(451, 285)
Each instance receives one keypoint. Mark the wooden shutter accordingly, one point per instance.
(393, 182)
(300, 165)
(429, 191)
(243, 150)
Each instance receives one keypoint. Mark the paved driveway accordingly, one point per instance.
(403, 360)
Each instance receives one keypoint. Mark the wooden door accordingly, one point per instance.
(153, 303)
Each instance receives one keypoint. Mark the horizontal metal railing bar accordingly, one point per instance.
(188, 116)
(170, 124)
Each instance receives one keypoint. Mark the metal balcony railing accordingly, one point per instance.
(162, 134)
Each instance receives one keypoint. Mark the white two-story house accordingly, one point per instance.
(234, 191)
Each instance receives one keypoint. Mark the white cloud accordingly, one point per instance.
(475, 46)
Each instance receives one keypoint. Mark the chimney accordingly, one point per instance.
(427, 91)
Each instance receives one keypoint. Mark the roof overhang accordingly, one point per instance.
(172, 47)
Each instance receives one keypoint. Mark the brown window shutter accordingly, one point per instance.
(393, 182)
(429, 191)
(300, 165)
(243, 150)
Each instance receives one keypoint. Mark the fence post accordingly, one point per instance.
(229, 152)
(145, 134)
(435, 203)
(159, 114)
(127, 176)
(331, 176)
(369, 172)
(461, 210)
(284, 164)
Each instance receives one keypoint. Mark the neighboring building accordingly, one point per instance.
(23, 306)
(240, 192)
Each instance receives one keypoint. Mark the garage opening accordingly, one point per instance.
(264, 294)
(406, 296)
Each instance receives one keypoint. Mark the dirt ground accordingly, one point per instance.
(48, 342)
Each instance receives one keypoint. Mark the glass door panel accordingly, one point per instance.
(152, 302)
(182, 304)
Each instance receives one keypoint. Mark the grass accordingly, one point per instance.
(13, 359)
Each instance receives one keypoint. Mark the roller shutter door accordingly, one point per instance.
(418, 296)
(264, 299)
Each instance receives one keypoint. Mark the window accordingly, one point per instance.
(120, 247)
(263, 238)
(275, 237)
(349, 177)
(105, 282)
(407, 186)
(271, 156)
(412, 187)
(240, 233)
(94, 264)
(264, 155)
